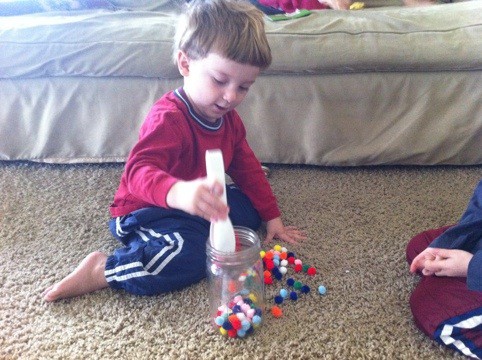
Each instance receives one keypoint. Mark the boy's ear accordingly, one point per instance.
(183, 63)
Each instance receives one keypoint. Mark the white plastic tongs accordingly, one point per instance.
(221, 236)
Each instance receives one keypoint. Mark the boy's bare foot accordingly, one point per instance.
(87, 277)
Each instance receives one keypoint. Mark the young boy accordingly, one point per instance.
(164, 203)
(447, 302)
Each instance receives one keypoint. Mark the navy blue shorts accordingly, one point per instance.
(165, 249)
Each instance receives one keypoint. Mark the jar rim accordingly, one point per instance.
(244, 236)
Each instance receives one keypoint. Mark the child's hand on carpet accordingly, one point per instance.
(442, 262)
(276, 229)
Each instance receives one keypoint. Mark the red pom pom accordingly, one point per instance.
(298, 267)
(269, 264)
(291, 260)
(276, 311)
(311, 271)
(234, 320)
(232, 333)
(268, 280)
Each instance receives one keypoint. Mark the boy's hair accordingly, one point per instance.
(231, 28)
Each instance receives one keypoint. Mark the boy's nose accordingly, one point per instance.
(230, 96)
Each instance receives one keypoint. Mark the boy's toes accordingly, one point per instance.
(50, 294)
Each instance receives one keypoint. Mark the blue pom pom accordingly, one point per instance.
(219, 321)
(305, 289)
(278, 299)
(236, 309)
(293, 296)
(241, 333)
(256, 320)
(283, 293)
(258, 312)
(245, 325)
(290, 282)
(227, 325)
(322, 290)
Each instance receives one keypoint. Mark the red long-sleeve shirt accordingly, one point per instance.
(172, 144)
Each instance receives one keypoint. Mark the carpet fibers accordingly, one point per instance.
(358, 222)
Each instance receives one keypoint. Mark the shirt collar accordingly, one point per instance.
(181, 94)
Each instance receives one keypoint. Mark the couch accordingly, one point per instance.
(384, 85)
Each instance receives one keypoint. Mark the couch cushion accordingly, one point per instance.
(139, 43)
(20, 7)
(88, 43)
(145, 5)
(438, 38)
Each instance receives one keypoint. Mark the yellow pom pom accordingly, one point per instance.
(262, 253)
(223, 331)
(277, 247)
(253, 297)
(357, 5)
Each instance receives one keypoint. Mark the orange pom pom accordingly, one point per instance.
(276, 311)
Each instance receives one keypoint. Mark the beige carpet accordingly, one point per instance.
(358, 220)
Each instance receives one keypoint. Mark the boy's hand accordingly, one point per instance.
(276, 229)
(198, 197)
(442, 262)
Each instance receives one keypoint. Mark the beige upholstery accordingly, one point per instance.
(389, 85)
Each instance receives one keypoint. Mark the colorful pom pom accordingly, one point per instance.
(293, 296)
(297, 285)
(322, 290)
(276, 311)
(256, 320)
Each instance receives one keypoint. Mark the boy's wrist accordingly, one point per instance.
(173, 195)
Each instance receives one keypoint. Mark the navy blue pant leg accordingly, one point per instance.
(242, 212)
(165, 249)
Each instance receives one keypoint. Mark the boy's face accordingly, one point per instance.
(215, 84)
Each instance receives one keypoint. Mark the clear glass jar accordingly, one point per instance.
(236, 286)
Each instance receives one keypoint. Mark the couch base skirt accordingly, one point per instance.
(337, 120)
